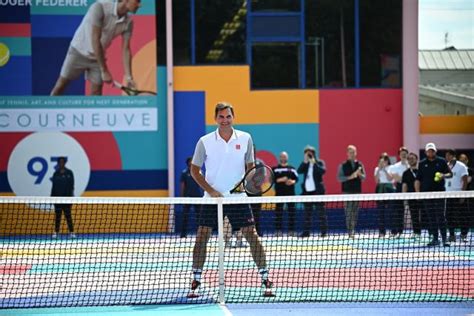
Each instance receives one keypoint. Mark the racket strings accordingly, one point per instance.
(258, 181)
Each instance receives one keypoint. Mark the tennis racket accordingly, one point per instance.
(132, 91)
(256, 181)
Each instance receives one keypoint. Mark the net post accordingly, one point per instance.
(220, 239)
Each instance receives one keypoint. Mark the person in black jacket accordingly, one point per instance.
(432, 172)
(313, 170)
(63, 185)
(285, 179)
(351, 173)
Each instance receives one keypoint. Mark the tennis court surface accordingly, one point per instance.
(128, 258)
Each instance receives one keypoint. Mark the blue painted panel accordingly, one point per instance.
(189, 126)
(15, 76)
(42, 25)
(276, 26)
(128, 180)
(47, 60)
(4, 185)
(14, 14)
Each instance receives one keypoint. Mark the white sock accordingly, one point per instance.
(263, 273)
(197, 274)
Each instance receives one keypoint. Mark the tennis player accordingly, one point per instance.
(105, 20)
(226, 153)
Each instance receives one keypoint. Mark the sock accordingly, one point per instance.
(197, 274)
(263, 273)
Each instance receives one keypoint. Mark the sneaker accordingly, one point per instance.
(351, 235)
(452, 238)
(55, 235)
(446, 244)
(304, 235)
(267, 285)
(182, 236)
(381, 235)
(433, 243)
(194, 286)
(72, 235)
(292, 233)
(324, 235)
(464, 238)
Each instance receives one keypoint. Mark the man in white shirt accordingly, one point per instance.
(456, 209)
(105, 20)
(397, 208)
(226, 154)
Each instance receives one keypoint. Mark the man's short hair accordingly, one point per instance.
(354, 148)
(452, 152)
(189, 159)
(413, 154)
(402, 149)
(223, 106)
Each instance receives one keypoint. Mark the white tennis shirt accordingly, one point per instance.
(224, 161)
(459, 170)
(102, 13)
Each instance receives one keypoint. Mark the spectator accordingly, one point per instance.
(63, 185)
(285, 179)
(470, 187)
(313, 170)
(408, 185)
(189, 188)
(456, 209)
(398, 210)
(351, 173)
(384, 184)
(432, 172)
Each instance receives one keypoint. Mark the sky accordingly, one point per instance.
(436, 17)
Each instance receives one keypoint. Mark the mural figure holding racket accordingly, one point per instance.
(105, 20)
(229, 159)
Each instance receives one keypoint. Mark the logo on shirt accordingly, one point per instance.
(237, 146)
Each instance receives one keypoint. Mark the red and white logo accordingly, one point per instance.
(237, 146)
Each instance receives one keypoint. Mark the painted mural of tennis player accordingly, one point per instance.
(104, 21)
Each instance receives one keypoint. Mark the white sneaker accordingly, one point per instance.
(55, 235)
(72, 235)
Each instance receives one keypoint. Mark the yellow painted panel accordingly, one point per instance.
(116, 193)
(459, 124)
(23, 219)
(232, 84)
(131, 193)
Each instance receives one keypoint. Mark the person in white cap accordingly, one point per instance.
(430, 178)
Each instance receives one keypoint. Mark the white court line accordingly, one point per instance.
(225, 310)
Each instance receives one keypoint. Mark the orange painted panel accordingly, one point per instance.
(232, 84)
(447, 124)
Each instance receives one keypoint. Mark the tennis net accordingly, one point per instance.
(334, 248)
